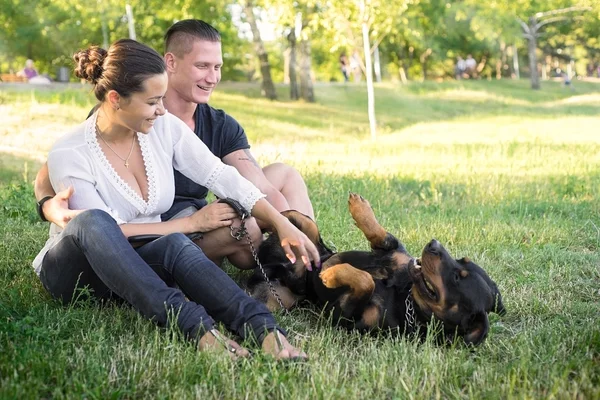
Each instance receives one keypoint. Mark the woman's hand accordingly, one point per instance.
(293, 239)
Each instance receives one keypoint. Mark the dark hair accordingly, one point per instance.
(123, 68)
(180, 37)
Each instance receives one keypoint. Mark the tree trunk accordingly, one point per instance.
(369, 76)
(268, 87)
(377, 64)
(306, 84)
(423, 59)
(531, 48)
(516, 62)
(501, 62)
(294, 94)
(411, 57)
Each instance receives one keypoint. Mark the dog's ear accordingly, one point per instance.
(496, 305)
(476, 327)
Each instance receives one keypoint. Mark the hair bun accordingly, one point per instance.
(89, 63)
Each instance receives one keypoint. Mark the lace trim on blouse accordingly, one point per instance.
(124, 189)
(214, 176)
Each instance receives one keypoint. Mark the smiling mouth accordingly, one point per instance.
(424, 284)
(207, 89)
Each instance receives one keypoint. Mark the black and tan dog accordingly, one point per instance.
(385, 288)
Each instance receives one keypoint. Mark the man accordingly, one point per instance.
(194, 59)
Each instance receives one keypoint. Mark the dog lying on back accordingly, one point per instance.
(385, 288)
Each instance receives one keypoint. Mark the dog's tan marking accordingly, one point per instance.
(365, 220)
(454, 308)
(288, 298)
(360, 282)
(464, 273)
(400, 260)
(371, 316)
(304, 223)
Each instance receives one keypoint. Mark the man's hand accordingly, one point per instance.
(56, 209)
(213, 216)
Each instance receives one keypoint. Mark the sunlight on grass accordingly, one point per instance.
(507, 176)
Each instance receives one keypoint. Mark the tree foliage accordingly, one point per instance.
(416, 38)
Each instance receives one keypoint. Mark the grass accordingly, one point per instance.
(505, 175)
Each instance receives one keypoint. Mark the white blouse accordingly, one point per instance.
(77, 160)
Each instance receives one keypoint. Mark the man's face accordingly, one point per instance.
(196, 75)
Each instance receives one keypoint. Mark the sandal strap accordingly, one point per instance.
(223, 341)
(280, 346)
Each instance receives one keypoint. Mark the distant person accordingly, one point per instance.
(31, 74)
(344, 66)
(29, 71)
(471, 66)
(460, 68)
(567, 82)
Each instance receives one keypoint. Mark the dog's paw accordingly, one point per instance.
(329, 277)
(357, 201)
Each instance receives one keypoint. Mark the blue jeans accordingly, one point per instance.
(154, 278)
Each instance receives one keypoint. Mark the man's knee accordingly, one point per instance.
(282, 175)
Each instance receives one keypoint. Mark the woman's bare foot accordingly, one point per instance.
(214, 340)
(277, 345)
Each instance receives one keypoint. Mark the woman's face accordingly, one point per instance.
(140, 110)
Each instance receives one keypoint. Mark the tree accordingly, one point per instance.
(268, 87)
(532, 31)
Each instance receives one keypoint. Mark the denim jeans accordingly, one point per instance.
(154, 278)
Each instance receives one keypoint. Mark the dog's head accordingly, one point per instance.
(457, 292)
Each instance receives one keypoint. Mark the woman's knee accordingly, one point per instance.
(92, 218)
(92, 222)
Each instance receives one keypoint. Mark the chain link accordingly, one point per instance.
(410, 311)
(238, 234)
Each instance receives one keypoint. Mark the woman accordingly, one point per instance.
(120, 165)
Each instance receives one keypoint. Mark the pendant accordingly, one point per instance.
(126, 164)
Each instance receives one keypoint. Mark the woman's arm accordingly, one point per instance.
(289, 235)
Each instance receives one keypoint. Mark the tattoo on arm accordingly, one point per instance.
(249, 158)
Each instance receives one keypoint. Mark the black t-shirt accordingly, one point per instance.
(222, 134)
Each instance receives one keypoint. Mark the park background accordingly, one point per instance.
(496, 167)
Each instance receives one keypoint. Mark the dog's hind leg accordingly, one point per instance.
(365, 220)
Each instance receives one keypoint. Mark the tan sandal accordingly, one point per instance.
(280, 346)
(214, 340)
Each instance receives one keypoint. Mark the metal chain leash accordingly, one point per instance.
(238, 234)
(410, 311)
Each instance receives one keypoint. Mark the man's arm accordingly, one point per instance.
(244, 162)
(55, 209)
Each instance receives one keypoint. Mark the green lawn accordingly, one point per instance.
(495, 171)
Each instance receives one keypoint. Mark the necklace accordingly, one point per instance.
(113, 150)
